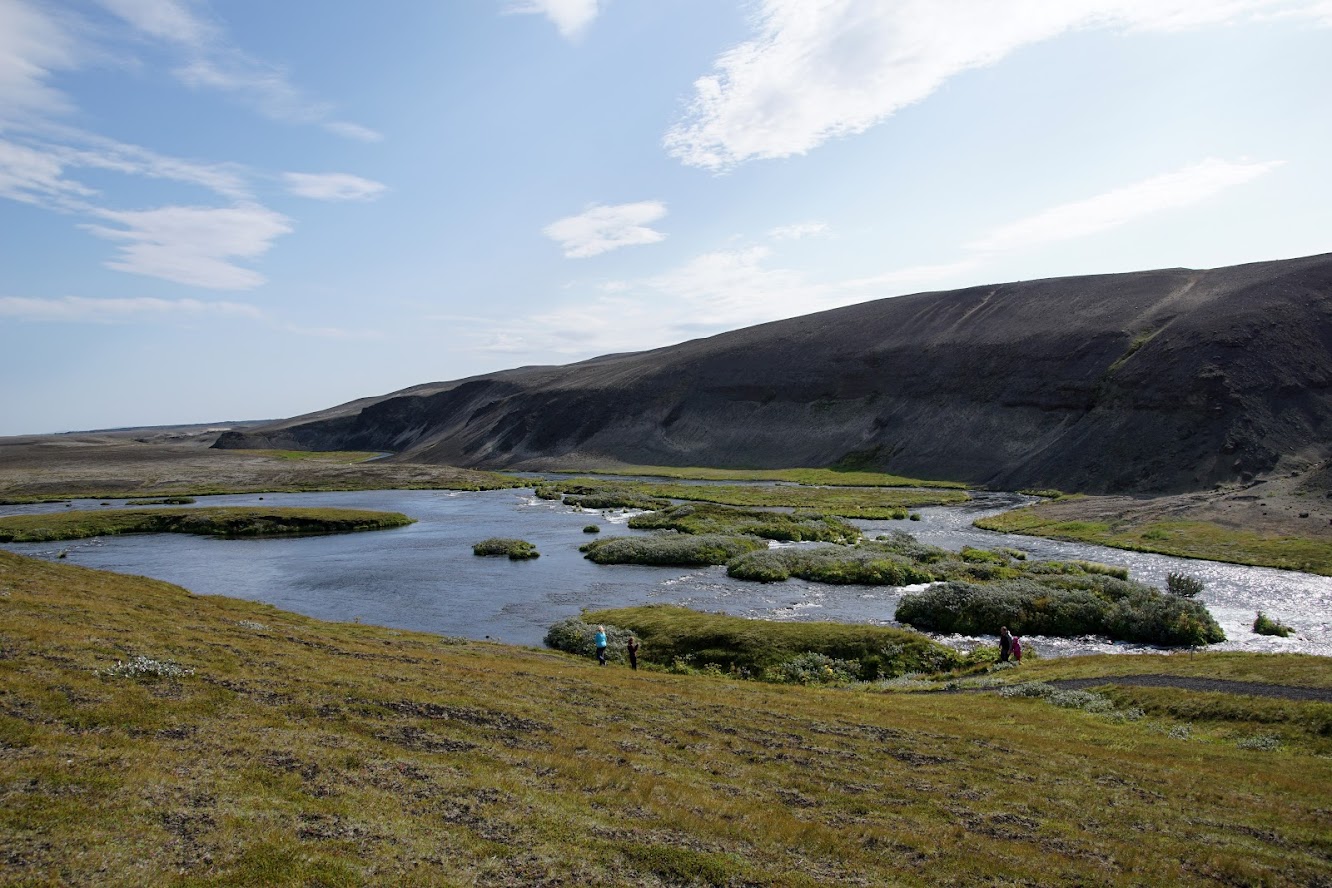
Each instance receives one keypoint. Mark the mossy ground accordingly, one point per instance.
(230, 521)
(1190, 539)
(303, 753)
(826, 477)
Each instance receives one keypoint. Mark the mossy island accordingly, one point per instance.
(516, 550)
(221, 521)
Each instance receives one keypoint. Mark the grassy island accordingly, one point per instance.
(224, 521)
(151, 736)
(516, 550)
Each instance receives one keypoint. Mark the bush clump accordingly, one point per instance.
(671, 549)
(1265, 625)
(1183, 585)
(1062, 606)
(811, 668)
(515, 549)
(576, 636)
(591, 528)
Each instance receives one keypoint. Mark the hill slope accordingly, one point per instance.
(1154, 381)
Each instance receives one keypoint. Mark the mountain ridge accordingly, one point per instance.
(1155, 381)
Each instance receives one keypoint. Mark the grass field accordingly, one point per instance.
(829, 477)
(1190, 539)
(149, 736)
(881, 502)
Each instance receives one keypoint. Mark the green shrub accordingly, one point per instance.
(1099, 605)
(591, 528)
(515, 549)
(1265, 625)
(812, 668)
(576, 636)
(672, 549)
(1183, 585)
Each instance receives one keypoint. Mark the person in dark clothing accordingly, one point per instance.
(632, 648)
(1005, 644)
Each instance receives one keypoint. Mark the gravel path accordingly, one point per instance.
(1289, 692)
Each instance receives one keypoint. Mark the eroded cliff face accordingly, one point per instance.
(1156, 381)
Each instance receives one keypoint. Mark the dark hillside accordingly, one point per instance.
(1155, 381)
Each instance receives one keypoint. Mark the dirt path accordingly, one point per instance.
(1289, 692)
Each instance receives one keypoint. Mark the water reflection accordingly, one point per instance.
(424, 577)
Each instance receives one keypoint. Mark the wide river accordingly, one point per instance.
(425, 577)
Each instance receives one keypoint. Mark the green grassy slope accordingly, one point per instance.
(286, 751)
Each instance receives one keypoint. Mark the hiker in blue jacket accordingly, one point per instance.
(601, 645)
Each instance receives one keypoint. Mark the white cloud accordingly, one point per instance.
(164, 19)
(599, 229)
(193, 245)
(1122, 205)
(816, 71)
(333, 186)
(79, 309)
(571, 16)
(36, 177)
(798, 231)
(33, 44)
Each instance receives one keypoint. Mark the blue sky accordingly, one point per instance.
(236, 210)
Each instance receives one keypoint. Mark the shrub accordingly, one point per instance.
(673, 549)
(591, 528)
(576, 636)
(515, 549)
(813, 668)
(1102, 606)
(1183, 585)
(1265, 625)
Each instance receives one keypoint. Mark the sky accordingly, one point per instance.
(247, 210)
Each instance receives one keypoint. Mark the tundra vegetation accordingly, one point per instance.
(516, 550)
(830, 477)
(118, 470)
(223, 521)
(848, 502)
(151, 736)
(1190, 539)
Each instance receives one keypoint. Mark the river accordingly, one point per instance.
(424, 577)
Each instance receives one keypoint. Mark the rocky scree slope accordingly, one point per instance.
(1147, 382)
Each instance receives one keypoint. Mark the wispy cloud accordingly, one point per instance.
(599, 229)
(571, 16)
(33, 45)
(814, 72)
(210, 61)
(193, 245)
(798, 231)
(37, 177)
(1122, 205)
(333, 186)
(79, 309)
